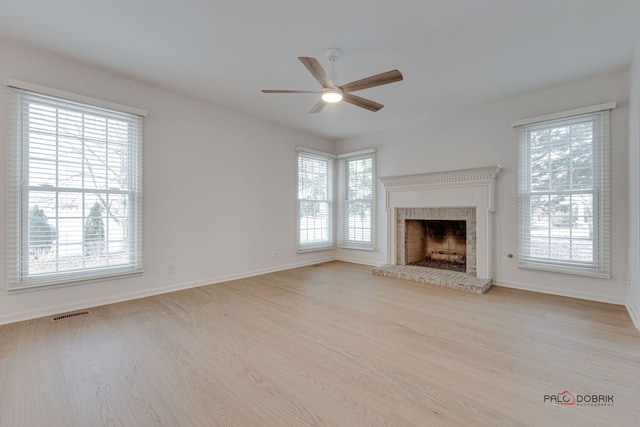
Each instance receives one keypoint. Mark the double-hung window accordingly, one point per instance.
(315, 200)
(75, 188)
(564, 193)
(358, 181)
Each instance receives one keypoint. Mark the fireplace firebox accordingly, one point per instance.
(443, 238)
(436, 244)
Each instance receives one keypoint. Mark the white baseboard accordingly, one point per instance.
(85, 304)
(360, 261)
(560, 292)
(635, 318)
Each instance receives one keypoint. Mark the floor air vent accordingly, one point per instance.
(70, 315)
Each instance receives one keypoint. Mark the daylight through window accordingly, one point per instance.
(358, 179)
(315, 201)
(75, 192)
(564, 195)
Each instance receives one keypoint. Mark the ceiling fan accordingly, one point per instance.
(332, 93)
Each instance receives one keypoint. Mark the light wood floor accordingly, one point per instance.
(330, 345)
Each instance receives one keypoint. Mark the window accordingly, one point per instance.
(564, 194)
(75, 188)
(315, 201)
(358, 183)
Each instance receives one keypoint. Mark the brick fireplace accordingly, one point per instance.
(464, 197)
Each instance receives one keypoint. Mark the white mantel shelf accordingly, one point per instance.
(456, 177)
(464, 188)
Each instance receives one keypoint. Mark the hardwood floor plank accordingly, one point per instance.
(328, 345)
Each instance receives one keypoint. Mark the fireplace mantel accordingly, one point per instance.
(462, 177)
(466, 188)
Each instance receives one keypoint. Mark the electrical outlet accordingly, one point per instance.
(171, 268)
(628, 280)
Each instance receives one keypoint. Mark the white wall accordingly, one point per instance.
(633, 295)
(219, 190)
(484, 137)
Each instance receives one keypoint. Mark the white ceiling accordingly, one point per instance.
(453, 54)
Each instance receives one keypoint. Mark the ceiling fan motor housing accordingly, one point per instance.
(332, 54)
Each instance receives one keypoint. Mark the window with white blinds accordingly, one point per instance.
(75, 189)
(358, 185)
(315, 200)
(564, 195)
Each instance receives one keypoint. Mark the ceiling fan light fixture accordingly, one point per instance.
(332, 95)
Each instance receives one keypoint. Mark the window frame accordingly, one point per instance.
(344, 224)
(21, 95)
(600, 265)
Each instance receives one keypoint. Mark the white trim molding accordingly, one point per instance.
(635, 318)
(554, 290)
(564, 114)
(356, 153)
(455, 177)
(74, 97)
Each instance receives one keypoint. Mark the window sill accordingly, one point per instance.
(357, 247)
(574, 271)
(17, 289)
(316, 249)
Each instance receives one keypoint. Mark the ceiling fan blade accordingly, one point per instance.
(289, 91)
(317, 71)
(318, 107)
(372, 81)
(361, 102)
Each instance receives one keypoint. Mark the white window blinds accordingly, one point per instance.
(358, 179)
(564, 195)
(315, 200)
(75, 190)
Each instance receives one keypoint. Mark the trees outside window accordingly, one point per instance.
(41, 233)
(94, 244)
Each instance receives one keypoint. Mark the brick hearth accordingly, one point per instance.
(433, 276)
